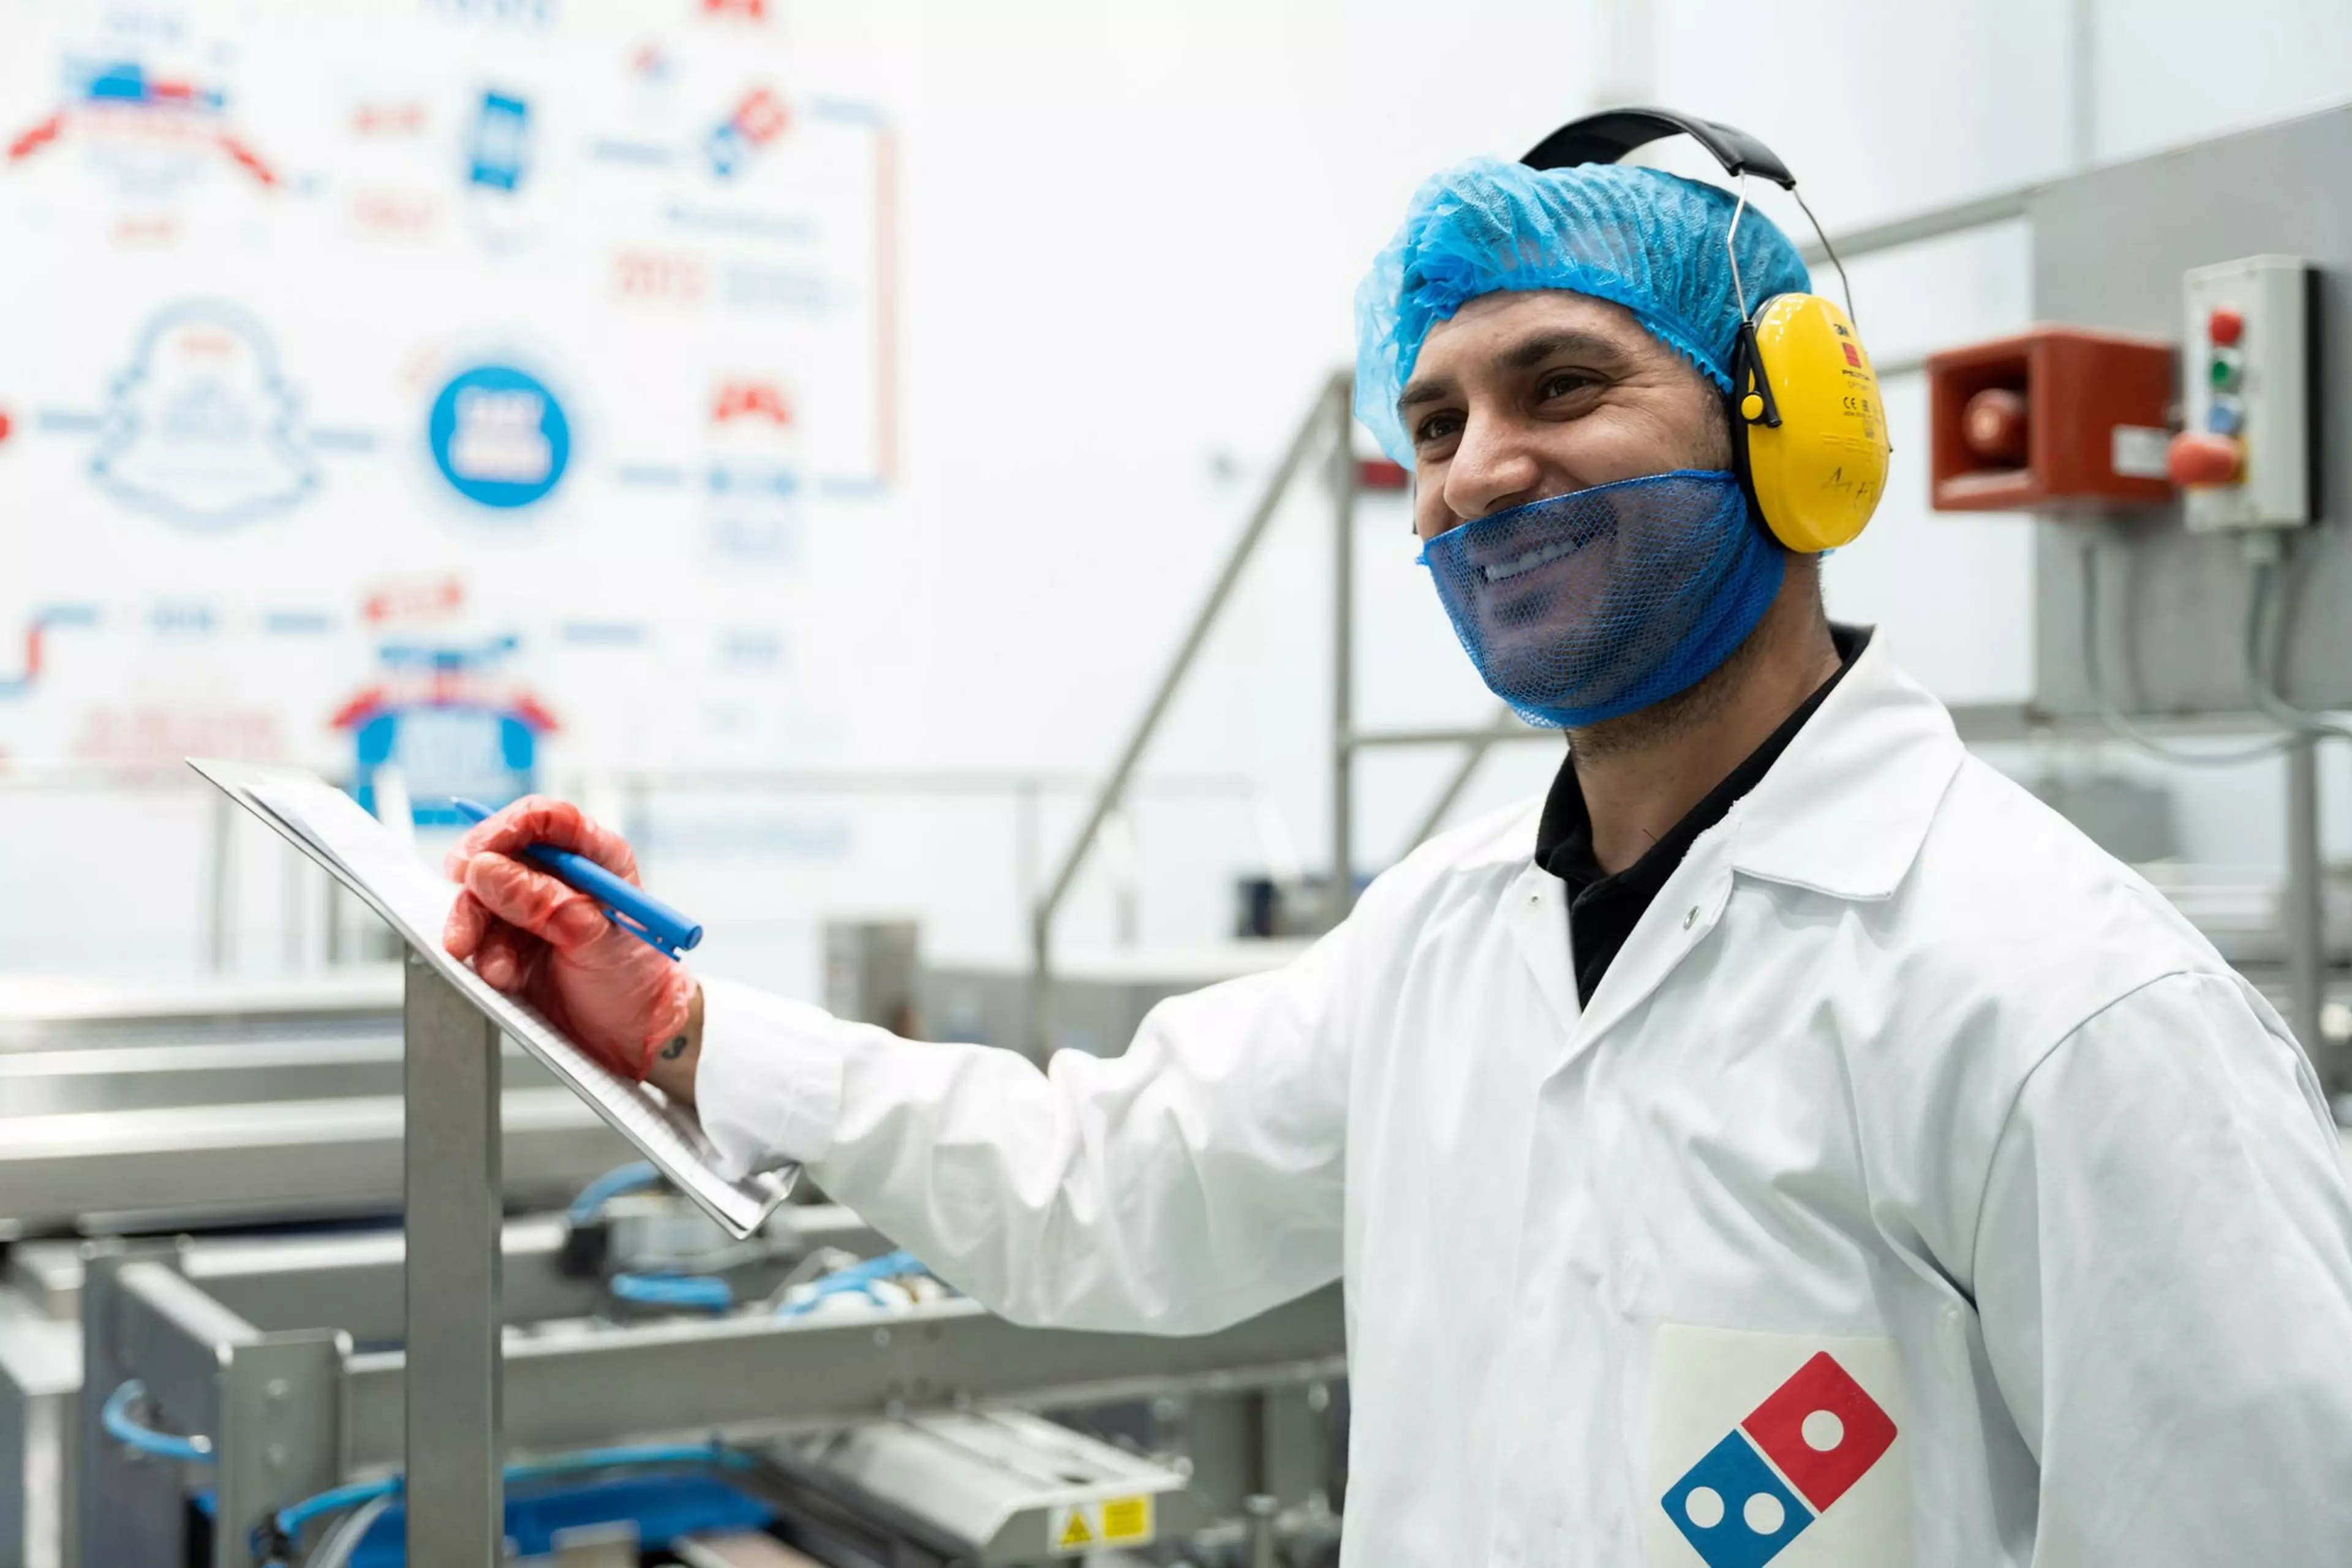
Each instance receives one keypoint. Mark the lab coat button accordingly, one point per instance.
(1691, 919)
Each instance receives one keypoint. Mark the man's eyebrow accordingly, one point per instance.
(1533, 350)
(1421, 392)
(1525, 354)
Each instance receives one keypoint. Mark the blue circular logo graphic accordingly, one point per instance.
(498, 436)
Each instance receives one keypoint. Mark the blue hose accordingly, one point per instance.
(292, 1518)
(115, 1416)
(701, 1292)
(608, 1187)
(857, 1280)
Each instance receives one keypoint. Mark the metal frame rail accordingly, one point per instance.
(1977, 722)
(295, 1411)
(218, 933)
(1329, 422)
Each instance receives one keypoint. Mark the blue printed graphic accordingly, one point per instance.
(1733, 1509)
(201, 428)
(499, 437)
(442, 719)
(728, 149)
(501, 145)
(128, 82)
(754, 510)
(756, 122)
(446, 749)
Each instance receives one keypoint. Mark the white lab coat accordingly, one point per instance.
(1898, 1068)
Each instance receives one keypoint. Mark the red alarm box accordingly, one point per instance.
(2057, 419)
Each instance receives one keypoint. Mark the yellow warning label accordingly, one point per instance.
(1079, 1527)
(1070, 1531)
(1127, 1521)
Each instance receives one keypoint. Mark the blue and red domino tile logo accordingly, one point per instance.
(1781, 1468)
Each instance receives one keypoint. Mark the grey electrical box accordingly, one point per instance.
(2110, 250)
(871, 972)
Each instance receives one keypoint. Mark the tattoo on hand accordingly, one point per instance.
(675, 1049)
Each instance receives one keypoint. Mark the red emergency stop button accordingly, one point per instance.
(2197, 459)
(2226, 325)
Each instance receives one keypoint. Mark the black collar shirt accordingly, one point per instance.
(1602, 910)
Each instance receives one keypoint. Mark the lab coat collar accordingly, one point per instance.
(1844, 810)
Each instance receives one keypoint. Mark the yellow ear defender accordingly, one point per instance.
(1808, 427)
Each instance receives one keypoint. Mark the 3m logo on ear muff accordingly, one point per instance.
(1809, 427)
(1810, 431)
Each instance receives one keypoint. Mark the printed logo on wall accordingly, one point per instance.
(149, 131)
(499, 437)
(504, 186)
(512, 13)
(758, 121)
(442, 719)
(753, 482)
(203, 429)
(501, 153)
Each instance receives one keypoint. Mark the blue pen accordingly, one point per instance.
(630, 907)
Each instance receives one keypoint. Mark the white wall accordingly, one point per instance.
(1271, 181)
(1132, 234)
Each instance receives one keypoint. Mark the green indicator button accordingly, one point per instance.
(2223, 374)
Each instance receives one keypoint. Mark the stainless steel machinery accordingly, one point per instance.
(201, 1188)
(225, 1102)
(890, 1433)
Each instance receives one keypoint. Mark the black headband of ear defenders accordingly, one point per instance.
(1606, 138)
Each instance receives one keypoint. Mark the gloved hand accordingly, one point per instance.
(531, 935)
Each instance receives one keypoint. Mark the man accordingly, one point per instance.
(1787, 1141)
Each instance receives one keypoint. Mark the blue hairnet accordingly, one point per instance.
(1643, 238)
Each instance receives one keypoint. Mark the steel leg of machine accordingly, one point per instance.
(1220, 1433)
(220, 888)
(16, 1496)
(456, 1501)
(1343, 661)
(1295, 1462)
(141, 1319)
(2305, 912)
(282, 1431)
(40, 1384)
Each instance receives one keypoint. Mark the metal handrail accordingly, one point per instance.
(1328, 412)
(176, 777)
(1934, 222)
(1025, 789)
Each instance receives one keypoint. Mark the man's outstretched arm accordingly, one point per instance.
(1189, 1183)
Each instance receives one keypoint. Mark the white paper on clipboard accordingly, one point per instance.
(329, 826)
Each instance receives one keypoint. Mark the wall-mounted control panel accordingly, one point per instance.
(2244, 453)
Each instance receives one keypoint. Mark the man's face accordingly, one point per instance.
(1526, 396)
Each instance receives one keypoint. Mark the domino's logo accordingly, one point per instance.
(1781, 1468)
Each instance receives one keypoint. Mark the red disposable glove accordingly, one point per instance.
(531, 935)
